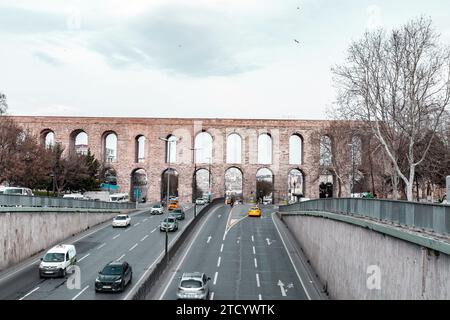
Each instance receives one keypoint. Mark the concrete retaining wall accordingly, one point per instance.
(341, 254)
(25, 233)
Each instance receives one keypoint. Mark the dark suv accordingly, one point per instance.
(115, 276)
(178, 214)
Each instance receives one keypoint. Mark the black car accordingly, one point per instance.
(178, 214)
(115, 276)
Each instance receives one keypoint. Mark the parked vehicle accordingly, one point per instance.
(169, 224)
(444, 200)
(122, 220)
(194, 286)
(57, 260)
(157, 209)
(18, 191)
(177, 214)
(115, 276)
(119, 197)
(76, 196)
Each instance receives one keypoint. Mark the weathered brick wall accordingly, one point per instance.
(127, 129)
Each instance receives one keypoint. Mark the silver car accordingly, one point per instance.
(169, 224)
(193, 286)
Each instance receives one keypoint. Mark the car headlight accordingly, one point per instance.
(97, 280)
(118, 281)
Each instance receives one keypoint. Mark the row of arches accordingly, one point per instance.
(203, 146)
(202, 182)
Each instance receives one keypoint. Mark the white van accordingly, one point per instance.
(57, 260)
(18, 191)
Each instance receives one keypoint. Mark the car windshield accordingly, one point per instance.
(112, 270)
(177, 211)
(170, 220)
(54, 257)
(191, 283)
(121, 218)
(255, 208)
(157, 206)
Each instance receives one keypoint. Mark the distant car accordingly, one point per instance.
(254, 212)
(18, 191)
(122, 220)
(119, 197)
(444, 200)
(57, 260)
(200, 201)
(157, 209)
(173, 204)
(76, 196)
(115, 276)
(193, 286)
(169, 224)
(178, 214)
(267, 201)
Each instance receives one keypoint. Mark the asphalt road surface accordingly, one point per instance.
(244, 257)
(140, 245)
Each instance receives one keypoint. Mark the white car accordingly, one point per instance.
(157, 209)
(57, 260)
(75, 196)
(122, 220)
(18, 191)
(200, 201)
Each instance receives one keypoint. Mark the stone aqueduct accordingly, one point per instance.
(153, 158)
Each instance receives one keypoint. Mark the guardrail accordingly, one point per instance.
(163, 263)
(425, 216)
(9, 200)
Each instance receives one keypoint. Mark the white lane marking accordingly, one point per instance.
(120, 258)
(256, 263)
(153, 230)
(215, 278)
(258, 284)
(254, 250)
(185, 253)
(218, 262)
(211, 296)
(292, 262)
(253, 239)
(281, 285)
(133, 247)
(144, 238)
(35, 289)
(127, 230)
(219, 216)
(101, 246)
(137, 224)
(84, 257)
(259, 297)
(209, 239)
(115, 237)
(145, 220)
(221, 248)
(79, 294)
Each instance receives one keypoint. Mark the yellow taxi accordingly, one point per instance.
(254, 212)
(173, 204)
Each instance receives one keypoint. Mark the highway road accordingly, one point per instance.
(140, 245)
(245, 258)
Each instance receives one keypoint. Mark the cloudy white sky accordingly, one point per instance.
(186, 58)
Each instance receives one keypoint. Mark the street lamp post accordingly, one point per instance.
(167, 194)
(194, 189)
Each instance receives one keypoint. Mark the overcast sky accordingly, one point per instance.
(180, 58)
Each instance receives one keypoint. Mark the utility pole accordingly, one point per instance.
(194, 189)
(167, 195)
(353, 171)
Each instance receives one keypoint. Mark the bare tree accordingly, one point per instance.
(3, 104)
(400, 84)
